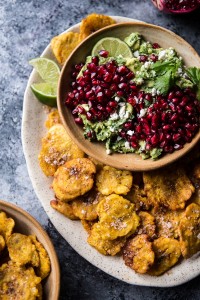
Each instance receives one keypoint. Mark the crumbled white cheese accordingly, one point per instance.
(136, 53)
(121, 104)
(139, 81)
(153, 92)
(122, 111)
(127, 145)
(162, 55)
(147, 64)
(130, 132)
(108, 151)
(114, 116)
(117, 98)
(143, 112)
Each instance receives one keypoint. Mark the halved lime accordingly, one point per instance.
(48, 70)
(114, 46)
(45, 93)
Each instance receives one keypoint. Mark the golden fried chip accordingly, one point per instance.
(189, 230)
(94, 22)
(6, 225)
(138, 196)
(64, 208)
(195, 197)
(104, 246)
(44, 267)
(169, 187)
(21, 250)
(87, 225)
(53, 119)
(147, 224)
(18, 282)
(167, 253)
(167, 222)
(117, 217)
(57, 148)
(138, 254)
(2, 243)
(85, 207)
(110, 180)
(74, 179)
(63, 45)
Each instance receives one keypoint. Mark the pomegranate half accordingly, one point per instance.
(177, 6)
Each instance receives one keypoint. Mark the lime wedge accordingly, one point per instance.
(45, 93)
(114, 46)
(47, 69)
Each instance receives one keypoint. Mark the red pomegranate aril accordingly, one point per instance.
(175, 101)
(120, 93)
(98, 89)
(155, 45)
(107, 77)
(130, 75)
(167, 127)
(146, 129)
(108, 93)
(101, 70)
(169, 149)
(114, 87)
(176, 137)
(111, 67)
(178, 146)
(133, 87)
(103, 53)
(189, 108)
(163, 144)
(134, 144)
(123, 86)
(112, 104)
(100, 107)
(122, 70)
(92, 67)
(143, 58)
(131, 101)
(148, 97)
(122, 134)
(154, 140)
(109, 109)
(100, 97)
(153, 57)
(116, 78)
(89, 94)
(89, 116)
(128, 125)
(78, 121)
(171, 95)
(73, 84)
(95, 60)
(90, 134)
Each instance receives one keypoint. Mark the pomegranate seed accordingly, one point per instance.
(78, 121)
(128, 125)
(143, 58)
(112, 103)
(107, 77)
(81, 110)
(122, 70)
(153, 57)
(155, 45)
(103, 53)
(95, 60)
(89, 116)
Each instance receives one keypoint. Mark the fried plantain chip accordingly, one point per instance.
(63, 45)
(21, 250)
(44, 267)
(18, 282)
(110, 180)
(6, 225)
(74, 179)
(85, 207)
(138, 254)
(147, 224)
(189, 230)
(138, 196)
(167, 222)
(57, 148)
(167, 253)
(105, 246)
(169, 187)
(64, 208)
(94, 22)
(53, 119)
(87, 225)
(2, 243)
(117, 217)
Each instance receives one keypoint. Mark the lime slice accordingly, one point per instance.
(45, 93)
(114, 46)
(47, 69)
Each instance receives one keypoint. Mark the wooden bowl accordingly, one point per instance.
(26, 224)
(97, 150)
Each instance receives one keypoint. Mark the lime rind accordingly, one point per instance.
(45, 93)
(114, 46)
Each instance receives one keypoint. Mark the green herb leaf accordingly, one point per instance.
(164, 82)
(194, 75)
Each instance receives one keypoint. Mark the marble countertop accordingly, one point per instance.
(26, 27)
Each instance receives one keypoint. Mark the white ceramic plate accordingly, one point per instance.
(33, 130)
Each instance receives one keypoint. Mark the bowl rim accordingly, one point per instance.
(152, 164)
(52, 253)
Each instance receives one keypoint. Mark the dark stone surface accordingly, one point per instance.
(26, 27)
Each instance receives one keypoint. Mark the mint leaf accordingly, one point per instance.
(194, 75)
